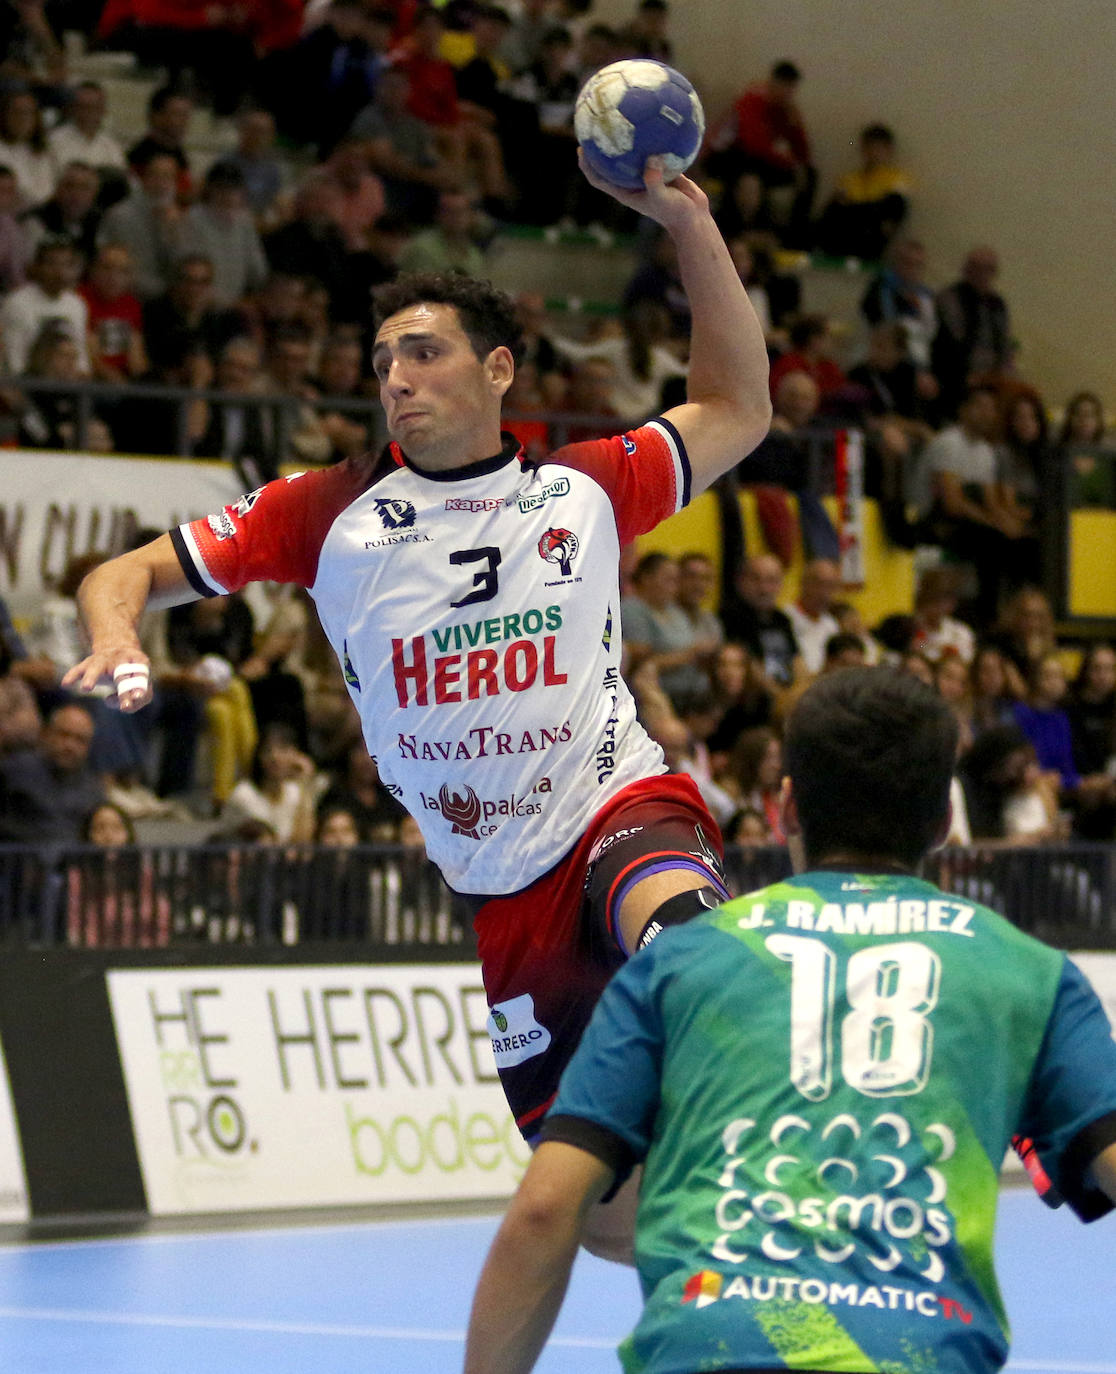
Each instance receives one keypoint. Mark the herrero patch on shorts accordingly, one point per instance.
(516, 1035)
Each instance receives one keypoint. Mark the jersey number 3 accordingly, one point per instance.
(485, 582)
(886, 1038)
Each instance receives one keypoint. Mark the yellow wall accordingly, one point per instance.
(1005, 115)
(1092, 568)
(889, 572)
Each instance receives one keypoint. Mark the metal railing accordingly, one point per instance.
(393, 898)
(284, 414)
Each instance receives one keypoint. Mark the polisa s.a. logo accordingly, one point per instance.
(394, 515)
(463, 811)
(559, 546)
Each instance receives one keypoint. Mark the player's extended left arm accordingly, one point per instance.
(528, 1268)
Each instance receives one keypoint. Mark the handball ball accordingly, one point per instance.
(636, 109)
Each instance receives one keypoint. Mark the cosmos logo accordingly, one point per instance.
(887, 1201)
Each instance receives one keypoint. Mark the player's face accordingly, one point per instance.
(441, 401)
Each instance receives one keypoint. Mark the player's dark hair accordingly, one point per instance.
(487, 314)
(870, 755)
(785, 71)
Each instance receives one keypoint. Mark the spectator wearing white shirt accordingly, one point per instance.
(642, 363)
(82, 137)
(812, 614)
(48, 298)
(937, 633)
(23, 147)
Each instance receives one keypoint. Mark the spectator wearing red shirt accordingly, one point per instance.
(809, 339)
(462, 141)
(764, 133)
(116, 350)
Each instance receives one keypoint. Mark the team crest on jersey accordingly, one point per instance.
(463, 811)
(394, 515)
(559, 546)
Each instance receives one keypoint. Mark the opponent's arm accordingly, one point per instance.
(528, 1268)
(111, 600)
(727, 409)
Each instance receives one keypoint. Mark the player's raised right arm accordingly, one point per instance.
(111, 600)
(727, 409)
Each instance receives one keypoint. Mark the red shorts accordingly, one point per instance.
(548, 951)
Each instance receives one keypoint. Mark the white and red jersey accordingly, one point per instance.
(476, 614)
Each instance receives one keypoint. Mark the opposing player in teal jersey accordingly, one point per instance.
(821, 1080)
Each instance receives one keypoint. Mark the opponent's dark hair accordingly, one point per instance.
(870, 754)
(786, 71)
(487, 315)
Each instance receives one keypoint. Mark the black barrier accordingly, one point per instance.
(393, 898)
(152, 897)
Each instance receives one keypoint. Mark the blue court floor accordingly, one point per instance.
(392, 1297)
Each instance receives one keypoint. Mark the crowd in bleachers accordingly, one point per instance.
(359, 138)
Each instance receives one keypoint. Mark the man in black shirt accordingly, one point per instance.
(751, 617)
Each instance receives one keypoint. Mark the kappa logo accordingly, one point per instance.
(463, 812)
(559, 546)
(394, 515)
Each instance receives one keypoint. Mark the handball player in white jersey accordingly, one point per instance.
(473, 599)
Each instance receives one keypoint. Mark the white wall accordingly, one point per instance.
(1005, 112)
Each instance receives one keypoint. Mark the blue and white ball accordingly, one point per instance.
(636, 109)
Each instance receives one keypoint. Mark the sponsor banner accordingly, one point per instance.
(13, 1184)
(55, 506)
(313, 1087)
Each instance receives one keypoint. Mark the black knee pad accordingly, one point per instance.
(679, 909)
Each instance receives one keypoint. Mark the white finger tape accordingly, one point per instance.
(139, 683)
(129, 670)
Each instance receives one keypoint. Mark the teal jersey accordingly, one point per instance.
(822, 1079)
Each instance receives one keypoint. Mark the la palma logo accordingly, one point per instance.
(395, 515)
(463, 812)
(559, 546)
